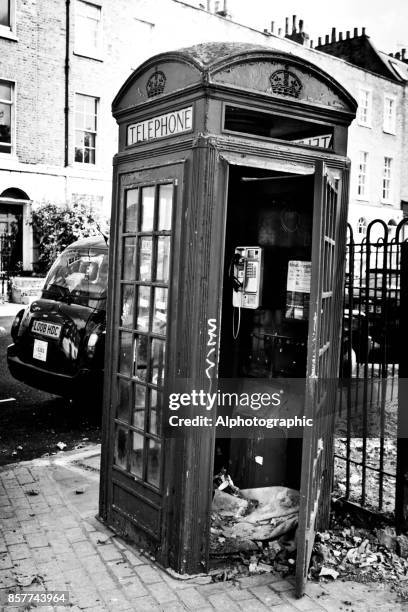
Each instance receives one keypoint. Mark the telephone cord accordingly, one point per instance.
(235, 334)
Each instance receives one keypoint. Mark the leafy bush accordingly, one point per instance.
(55, 227)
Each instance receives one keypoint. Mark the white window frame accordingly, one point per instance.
(387, 180)
(80, 46)
(390, 120)
(364, 119)
(362, 176)
(86, 165)
(12, 104)
(10, 30)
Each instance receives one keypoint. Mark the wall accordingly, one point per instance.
(133, 31)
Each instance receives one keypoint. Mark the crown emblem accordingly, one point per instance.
(285, 83)
(155, 83)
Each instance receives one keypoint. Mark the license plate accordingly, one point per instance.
(40, 350)
(50, 330)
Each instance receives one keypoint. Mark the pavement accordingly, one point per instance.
(51, 540)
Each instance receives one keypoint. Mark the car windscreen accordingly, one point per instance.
(79, 276)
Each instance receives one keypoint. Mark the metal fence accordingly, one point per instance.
(367, 413)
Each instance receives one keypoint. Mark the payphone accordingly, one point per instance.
(247, 277)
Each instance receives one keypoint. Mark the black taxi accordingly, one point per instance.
(58, 340)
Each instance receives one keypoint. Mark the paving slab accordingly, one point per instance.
(52, 541)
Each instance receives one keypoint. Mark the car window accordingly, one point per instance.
(79, 276)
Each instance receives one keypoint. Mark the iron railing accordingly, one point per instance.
(367, 415)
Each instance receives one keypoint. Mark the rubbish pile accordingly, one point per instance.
(361, 554)
(252, 529)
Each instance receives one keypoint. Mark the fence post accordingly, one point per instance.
(401, 493)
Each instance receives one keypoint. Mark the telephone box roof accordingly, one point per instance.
(216, 63)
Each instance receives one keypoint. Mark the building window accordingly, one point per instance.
(88, 28)
(390, 115)
(6, 116)
(5, 13)
(7, 18)
(86, 108)
(362, 226)
(362, 175)
(364, 108)
(386, 183)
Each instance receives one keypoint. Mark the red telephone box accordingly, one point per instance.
(231, 157)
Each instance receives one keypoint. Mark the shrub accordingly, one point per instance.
(55, 227)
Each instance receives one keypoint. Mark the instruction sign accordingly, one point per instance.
(298, 290)
(299, 276)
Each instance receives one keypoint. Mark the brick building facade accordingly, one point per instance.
(63, 61)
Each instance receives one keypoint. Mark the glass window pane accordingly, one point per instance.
(5, 122)
(160, 311)
(165, 207)
(87, 25)
(78, 120)
(129, 259)
(140, 357)
(139, 407)
(89, 140)
(5, 89)
(121, 446)
(146, 224)
(145, 259)
(127, 305)
(79, 139)
(90, 123)
(155, 408)
(143, 308)
(125, 353)
(79, 156)
(163, 259)
(157, 363)
(153, 463)
(80, 104)
(136, 455)
(123, 400)
(5, 13)
(131, 196)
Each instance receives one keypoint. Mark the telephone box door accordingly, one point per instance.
(140, 333)
(323, 344)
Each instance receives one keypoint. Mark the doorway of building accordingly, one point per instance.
(11, 237)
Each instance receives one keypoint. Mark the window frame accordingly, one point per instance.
(363, 160)
(79, 47)
(368, 121)
(9, 31)
(83, 164)
(388, 198)
(12, 104)
(133, 328)
(392, 128)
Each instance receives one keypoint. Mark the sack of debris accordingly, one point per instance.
(258, 514)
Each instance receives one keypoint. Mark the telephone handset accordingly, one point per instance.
(247, 267)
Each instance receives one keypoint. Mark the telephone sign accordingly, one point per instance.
(169, 124)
